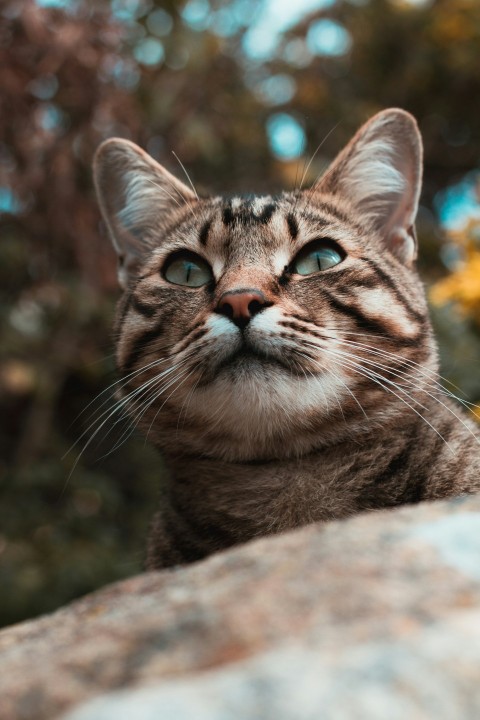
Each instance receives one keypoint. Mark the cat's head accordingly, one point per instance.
(263, 327)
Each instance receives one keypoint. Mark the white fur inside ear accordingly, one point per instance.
(374, 179)
(143, 195)
(402, 244)
(137, 197)
(380, 172)
(123, 275)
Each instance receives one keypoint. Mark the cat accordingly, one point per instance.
(278, 350)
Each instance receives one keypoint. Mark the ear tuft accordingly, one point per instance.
(379, 172)
(137, 196)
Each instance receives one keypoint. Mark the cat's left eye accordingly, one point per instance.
(188, 269)
(317, 256)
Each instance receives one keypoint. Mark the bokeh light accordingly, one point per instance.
(286, 136)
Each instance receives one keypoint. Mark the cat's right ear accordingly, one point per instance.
(380, 173)
(136, 196)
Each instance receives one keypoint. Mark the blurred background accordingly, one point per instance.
(244, 92)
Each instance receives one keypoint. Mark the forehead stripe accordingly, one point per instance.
(245, 214)
(204, 230)
(227, 215)
(292, 226)
(267, 213)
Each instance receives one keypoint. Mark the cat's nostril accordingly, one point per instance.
(254, 306)
(241, 305)
(227, 310)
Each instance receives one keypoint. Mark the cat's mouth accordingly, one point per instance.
(252, 359)
(246, 355)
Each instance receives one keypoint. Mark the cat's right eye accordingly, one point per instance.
(316, 256)
(187, 269)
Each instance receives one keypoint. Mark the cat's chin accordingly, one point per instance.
(247, 360)
(249, 363)
(255, 410)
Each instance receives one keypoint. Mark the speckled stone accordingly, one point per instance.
(374, 617)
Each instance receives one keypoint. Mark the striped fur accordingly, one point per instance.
(328, 402)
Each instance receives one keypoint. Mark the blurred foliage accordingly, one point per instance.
(456, 306)
(462, 286)
(200, 79)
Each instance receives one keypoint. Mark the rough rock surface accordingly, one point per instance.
(374, 617)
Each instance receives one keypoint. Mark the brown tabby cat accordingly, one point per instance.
(278, 350)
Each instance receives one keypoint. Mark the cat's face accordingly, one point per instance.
(266, 327)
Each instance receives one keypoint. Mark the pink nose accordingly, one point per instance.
(241, 305)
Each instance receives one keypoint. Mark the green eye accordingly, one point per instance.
(187, 269)
(316, 256)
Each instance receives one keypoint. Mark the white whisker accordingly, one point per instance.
(140, 412)
(385, 383)
(418, 369)
(120, 406)
(186, 173)
(421, 368)
(185, 377)
(172, 197)
(125, 379)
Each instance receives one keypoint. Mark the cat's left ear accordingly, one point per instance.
(137, 197)
(380, 172)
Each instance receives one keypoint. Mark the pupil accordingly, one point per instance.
(189, 270)
(317, 256)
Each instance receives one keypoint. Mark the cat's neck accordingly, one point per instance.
(254, 497)
(250, 444)
(375, 469)
(212, 504)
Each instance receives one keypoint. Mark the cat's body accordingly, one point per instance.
(211, 505)
(279, 351)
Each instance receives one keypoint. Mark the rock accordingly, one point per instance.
(374, 617)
